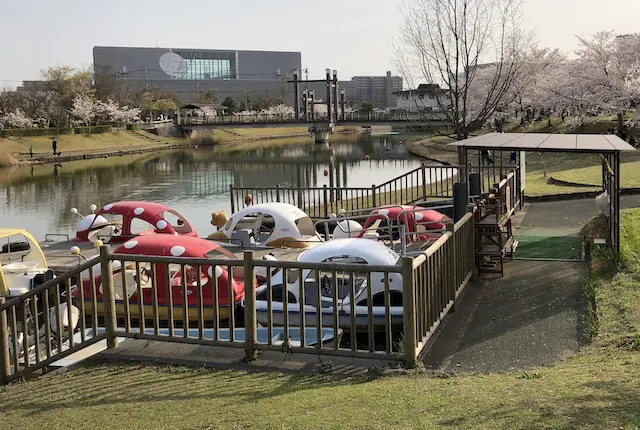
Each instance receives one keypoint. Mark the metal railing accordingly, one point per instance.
(285, 118)
(416, 185)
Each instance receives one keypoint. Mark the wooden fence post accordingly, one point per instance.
(453, 259)
(233, 203)
(424, 182)
(408, 313)
(108, 296)
(5, 359)
(373, 196)
(325, 198)
(250, 319)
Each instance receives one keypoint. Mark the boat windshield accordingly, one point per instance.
(305, 226)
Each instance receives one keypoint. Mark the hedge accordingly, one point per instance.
(98, 129)
(133, 127)
(24, 132)
(28, 132)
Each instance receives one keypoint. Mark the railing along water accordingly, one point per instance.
(414, 186)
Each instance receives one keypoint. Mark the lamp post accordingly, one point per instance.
(329, 111)
(296, 104)
(335, 94)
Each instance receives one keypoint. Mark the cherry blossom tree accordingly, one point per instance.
(84, 109)
(280, 110)
(603, 79)
(18, 119)
(119, 114)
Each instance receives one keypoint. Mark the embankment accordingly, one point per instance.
(81, 147)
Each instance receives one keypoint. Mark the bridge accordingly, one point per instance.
(396, 120)
(323, 124)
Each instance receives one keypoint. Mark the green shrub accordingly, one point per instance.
(98, 129)
(133, 127)
(27, 132)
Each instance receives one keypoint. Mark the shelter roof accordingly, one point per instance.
(201, 106)
(545, 142)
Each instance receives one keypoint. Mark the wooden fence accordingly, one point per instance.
(433, 282)
(323, 310)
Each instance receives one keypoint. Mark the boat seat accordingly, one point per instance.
(243, 236)
(18, 291)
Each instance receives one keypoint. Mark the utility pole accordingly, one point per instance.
(146, 76)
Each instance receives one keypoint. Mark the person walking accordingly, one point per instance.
(486, 157)
(54, 145)
(31, 151)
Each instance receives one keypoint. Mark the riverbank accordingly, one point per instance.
(15, 150)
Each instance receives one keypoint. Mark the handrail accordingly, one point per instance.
(417, 261)
(462, 221)
(262, 263)
(391, 181)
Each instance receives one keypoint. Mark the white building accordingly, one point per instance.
(423, 98)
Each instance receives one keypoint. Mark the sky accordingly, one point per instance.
(351, 36)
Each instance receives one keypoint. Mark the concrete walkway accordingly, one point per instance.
(528, 318)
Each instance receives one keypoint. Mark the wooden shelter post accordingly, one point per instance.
(616, 204)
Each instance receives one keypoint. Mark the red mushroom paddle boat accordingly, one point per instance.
(120, 221)
(169, 276)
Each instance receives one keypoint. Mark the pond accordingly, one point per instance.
(194, 182)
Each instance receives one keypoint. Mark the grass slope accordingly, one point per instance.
(599, 388)
(78, 142)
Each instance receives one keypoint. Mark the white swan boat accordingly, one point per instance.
(351, 251)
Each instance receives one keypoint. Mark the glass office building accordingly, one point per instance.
(203, 65)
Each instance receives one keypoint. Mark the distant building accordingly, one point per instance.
(191, 73)
(423, 98)
(377, 90)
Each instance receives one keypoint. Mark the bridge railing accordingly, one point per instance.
(258, 118)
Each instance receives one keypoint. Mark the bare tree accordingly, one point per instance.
(476, 50)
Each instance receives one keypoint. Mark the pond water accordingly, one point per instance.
(194, 182)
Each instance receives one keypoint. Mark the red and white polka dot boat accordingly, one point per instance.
(218, 288)
(121, 221)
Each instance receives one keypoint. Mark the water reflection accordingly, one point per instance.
(194, 182)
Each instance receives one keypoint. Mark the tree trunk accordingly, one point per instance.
(620, 121)
(544, 168)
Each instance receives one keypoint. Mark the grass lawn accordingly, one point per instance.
(78, 142)
(599, 388)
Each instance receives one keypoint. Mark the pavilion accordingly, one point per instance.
(608, 147)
